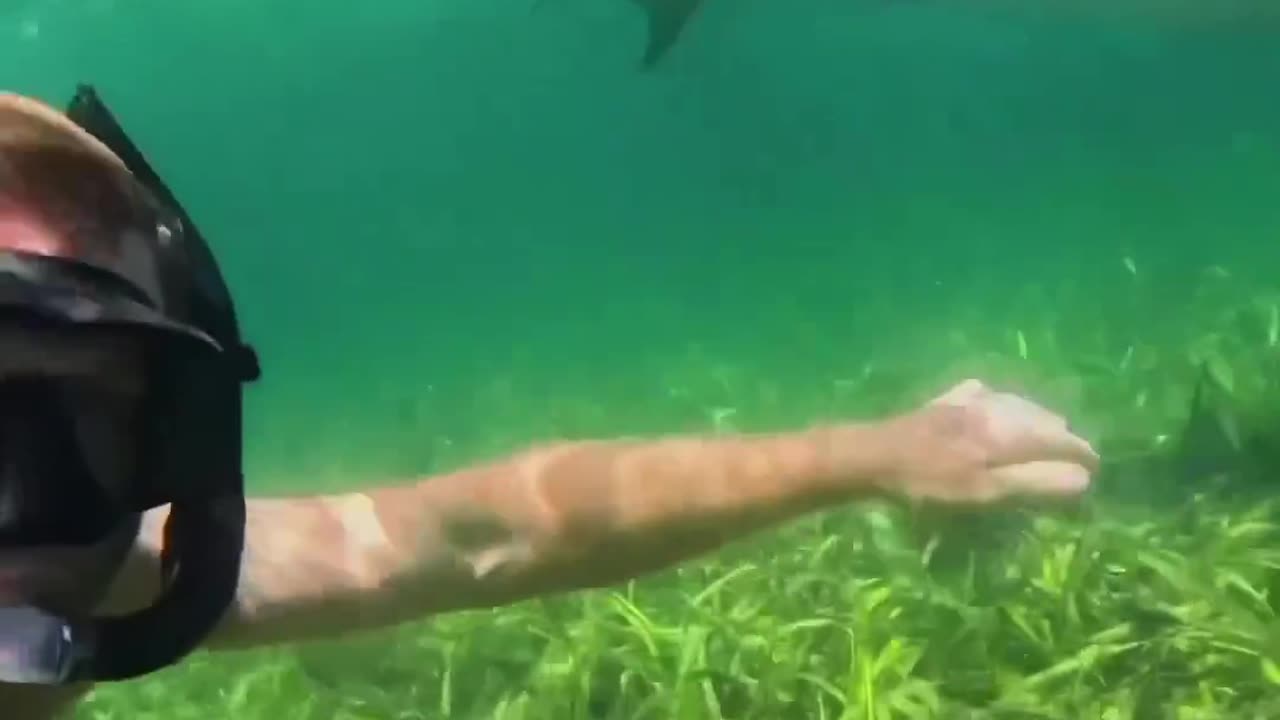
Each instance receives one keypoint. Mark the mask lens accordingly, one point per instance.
(48, 491)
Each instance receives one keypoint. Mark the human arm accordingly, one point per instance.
(551, 519)
(586, 514)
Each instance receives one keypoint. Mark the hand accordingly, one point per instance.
(976, 445)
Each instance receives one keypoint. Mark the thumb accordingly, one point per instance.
(1043, 478)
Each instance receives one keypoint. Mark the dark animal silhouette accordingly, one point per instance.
(667, 19)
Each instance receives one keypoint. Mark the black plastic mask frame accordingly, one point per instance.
(199, 433)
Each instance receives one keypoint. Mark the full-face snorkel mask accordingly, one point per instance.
(161, 282)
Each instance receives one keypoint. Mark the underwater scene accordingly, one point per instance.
(456, 229)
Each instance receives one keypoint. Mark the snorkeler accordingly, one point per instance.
(126, 541)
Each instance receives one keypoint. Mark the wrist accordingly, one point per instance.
(856, 459)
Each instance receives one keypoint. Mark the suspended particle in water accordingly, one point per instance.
(29, 29)
(721, 416)
(1126, 358)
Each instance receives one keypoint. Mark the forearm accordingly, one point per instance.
(554, 519)
(586, 514)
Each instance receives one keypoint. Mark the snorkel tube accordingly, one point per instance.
(176, 293)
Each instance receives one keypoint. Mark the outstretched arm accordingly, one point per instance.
(553, 519)
(586, 514)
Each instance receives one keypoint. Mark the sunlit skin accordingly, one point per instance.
(554, 518)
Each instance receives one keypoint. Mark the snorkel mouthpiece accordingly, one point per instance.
(39, 648)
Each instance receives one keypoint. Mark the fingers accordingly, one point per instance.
(1028, 411)
(963, 393)
(974, 392)
(1049, 479)
(1025, 431)
(1064, 446)
(1033, 433)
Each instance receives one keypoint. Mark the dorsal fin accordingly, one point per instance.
(666, 21)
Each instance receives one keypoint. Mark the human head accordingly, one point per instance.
(56, 183)
(122, 394)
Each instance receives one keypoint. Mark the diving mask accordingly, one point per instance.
(129, 261)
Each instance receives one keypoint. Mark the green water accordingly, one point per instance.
(455, 228)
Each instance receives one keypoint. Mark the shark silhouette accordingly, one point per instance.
(665, 22)
(666, 19)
